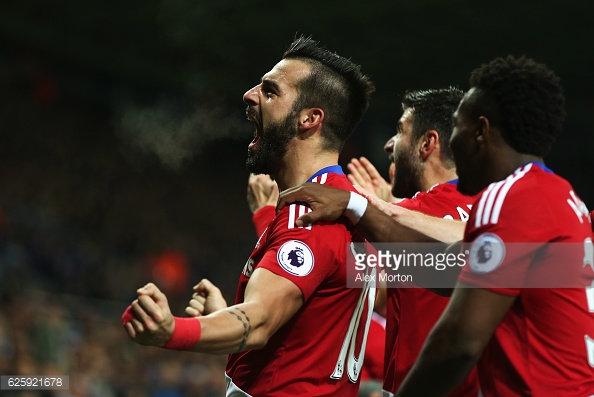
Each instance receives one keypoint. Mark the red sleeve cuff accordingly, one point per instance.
(127, 316)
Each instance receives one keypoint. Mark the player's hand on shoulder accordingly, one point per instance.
(149, 320)
(326, 202)
(261, 191)
(207, 299)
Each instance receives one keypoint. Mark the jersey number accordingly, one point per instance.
(347, 352)
(461, 213)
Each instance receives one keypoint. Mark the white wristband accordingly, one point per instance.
(355, 208)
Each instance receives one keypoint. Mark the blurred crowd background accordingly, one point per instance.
(123, 143)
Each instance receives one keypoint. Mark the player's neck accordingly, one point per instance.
(436, 174)
(506, 165)
(500, 160)
(299, 165)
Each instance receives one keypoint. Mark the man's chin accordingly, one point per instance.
(402, 191)
(255, 165)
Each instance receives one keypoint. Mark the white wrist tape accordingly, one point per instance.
(355, 208)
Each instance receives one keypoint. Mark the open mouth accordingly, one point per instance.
(255, 141)
(252, 116)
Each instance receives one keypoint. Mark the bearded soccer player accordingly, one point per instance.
(422, 171)
(527, 341)
(295, 329)
(425, 175)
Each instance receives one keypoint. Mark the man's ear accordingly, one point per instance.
(310, 118)
(483, 130)
(429, 142)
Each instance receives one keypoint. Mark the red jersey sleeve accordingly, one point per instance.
(298, 254)
(262, 218)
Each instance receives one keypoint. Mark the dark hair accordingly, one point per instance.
(336, 85)
(524, 99)
(433, 110)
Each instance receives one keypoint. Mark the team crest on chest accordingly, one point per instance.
(486, 253)
(296, 258)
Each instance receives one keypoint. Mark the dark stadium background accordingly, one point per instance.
(123, 144)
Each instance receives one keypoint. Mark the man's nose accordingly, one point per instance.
(251, 96)
(389, 146)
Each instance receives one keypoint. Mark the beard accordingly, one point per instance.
(408, 173)
(272, 146)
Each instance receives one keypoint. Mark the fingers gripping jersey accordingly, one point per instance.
(319, 351)
(545, 344)
(412, 312)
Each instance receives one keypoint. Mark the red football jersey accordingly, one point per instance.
(412, 312)
(545, 344)
(319, 351)
(373, 364)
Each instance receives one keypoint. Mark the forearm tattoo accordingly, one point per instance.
(247, 325)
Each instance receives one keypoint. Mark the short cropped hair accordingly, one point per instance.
(335, 85)
(524, 99)
(433, 110)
